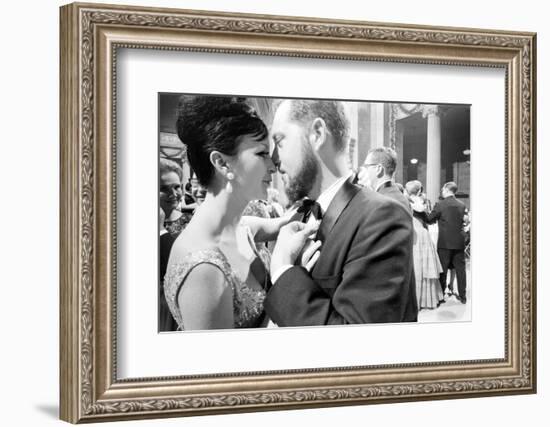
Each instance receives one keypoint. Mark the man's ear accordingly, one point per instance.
(380, 172)
(219, 161)
(318, 133)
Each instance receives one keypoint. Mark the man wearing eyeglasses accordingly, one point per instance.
(377, 174)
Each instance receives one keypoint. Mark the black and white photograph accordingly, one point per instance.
(346, 214)
(277, 212)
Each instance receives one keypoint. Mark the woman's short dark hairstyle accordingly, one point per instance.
(215, 123)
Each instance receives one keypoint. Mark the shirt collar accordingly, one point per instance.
(382, 184)
(326, 196)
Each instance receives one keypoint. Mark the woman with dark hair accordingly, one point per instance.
(215, 278)
(427, 266)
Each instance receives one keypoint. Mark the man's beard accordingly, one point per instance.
(300, 185)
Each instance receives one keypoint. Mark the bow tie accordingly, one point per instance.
(310, 207)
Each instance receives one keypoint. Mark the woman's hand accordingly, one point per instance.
(267, 229)
(290, 215)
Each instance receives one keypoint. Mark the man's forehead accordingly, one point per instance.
(283, 112)
(368, 159)
(170, 176)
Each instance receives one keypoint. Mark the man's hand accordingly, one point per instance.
(290, 242)
(310, 254)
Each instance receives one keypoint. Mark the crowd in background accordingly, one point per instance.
(441, 232)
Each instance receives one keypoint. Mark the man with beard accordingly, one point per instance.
(364, 270)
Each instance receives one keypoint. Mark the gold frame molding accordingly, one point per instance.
(90, 36)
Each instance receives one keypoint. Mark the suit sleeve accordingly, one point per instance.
(374, 285)
(434, 215)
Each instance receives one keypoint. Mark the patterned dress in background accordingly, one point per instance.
(426, 267)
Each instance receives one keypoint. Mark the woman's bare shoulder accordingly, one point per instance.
(190, 241)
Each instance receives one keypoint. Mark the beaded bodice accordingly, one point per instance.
(248, 307)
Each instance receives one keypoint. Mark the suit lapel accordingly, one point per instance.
(336, 207)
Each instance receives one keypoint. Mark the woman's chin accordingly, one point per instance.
(259, 194)
(265, 186)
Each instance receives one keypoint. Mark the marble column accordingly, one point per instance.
(398, 147)
(377, 125)
(353, 115)
(433, 153)
(363, 131)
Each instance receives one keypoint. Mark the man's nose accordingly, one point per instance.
(275, 158)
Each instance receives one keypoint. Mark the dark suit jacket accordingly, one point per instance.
(449, 214)
(363, 274)
(166, 321)
(389, 189)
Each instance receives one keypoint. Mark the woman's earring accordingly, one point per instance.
(229, 186)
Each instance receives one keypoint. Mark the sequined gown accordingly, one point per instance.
(248, 308)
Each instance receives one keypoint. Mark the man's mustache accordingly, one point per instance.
(284, 178)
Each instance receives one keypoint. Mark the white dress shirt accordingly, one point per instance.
(324, 201)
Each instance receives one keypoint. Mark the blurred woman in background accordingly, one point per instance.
(427, 266)
(170, 196)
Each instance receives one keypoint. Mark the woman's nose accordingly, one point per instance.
(271, 168)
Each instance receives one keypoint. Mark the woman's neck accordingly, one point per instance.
(221, 213)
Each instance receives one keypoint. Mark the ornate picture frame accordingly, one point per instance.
(90, 37)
